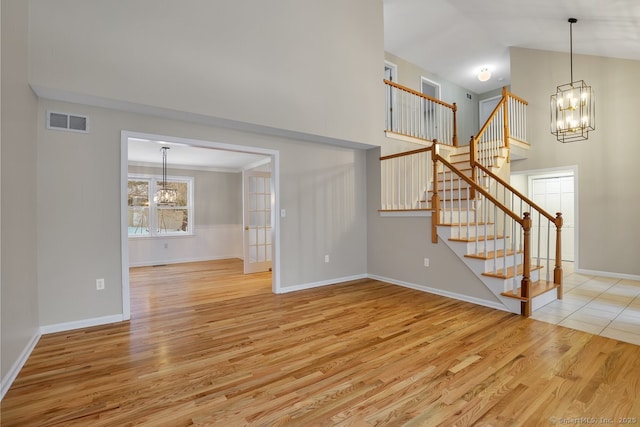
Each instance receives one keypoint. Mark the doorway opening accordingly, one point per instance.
(555, 190)
(485, 108)
(391, 74)
(430, 88)
(189, 155)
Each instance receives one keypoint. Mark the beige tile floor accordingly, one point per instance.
(599, 305)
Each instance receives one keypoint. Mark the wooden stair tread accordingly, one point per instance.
(500, 274)
(538, 288)
(474, 238)
(456, 199)
(467, 169)
(462, 162)
(490, 255)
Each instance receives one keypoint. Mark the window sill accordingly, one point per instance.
(162, 236)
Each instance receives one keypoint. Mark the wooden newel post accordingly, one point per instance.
(525, 306)
(505, 106)
(557, 271)
(435, 198)
(455, 125)
(473, 158)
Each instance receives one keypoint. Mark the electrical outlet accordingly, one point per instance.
(166, 246)
(99, 284)
(326, 258)
(426, 262)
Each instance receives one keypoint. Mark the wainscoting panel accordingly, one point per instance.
(207, 243)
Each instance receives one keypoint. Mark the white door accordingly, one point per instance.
(431, 118)
(257, 221)
(390, 73)
(556, 194)
(485, 108)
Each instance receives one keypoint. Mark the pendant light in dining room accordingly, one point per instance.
(165, 195)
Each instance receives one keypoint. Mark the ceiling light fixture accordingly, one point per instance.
(484, 75)
(573, 110)
(165, 196)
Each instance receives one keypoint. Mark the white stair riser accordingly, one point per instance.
(498, 263)
(456, 216)
(496, 285)
(484, 246)
(471, 231)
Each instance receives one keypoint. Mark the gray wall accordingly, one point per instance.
(18, 286)
(397, 246)
(608, 173)
(409, 75)
(217, 195)
(322, 188)
(310, 67)
(311, 70)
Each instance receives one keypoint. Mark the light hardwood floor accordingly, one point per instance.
(209, 346)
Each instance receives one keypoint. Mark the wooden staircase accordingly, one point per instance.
(497, 232)
(482, 248)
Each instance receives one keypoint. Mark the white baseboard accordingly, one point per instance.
(286, 289)
(13, 372)
(180, 261)
(443, 293)
(78, 324)
(608, 274)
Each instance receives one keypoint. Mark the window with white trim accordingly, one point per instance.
(148, 218)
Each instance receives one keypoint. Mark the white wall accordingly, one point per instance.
(608, 172)
(18, 286)
(322, 188)
(313, 66)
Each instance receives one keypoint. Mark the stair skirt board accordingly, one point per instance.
(494, 284)
(460, 297)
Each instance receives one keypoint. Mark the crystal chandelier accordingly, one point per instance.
(165, 195)
(572, 106)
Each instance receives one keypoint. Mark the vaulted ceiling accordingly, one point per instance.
(456, 38)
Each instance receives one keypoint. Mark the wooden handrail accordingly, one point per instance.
(421, 95)
(517, 98)
(406, 153)
(516, 192)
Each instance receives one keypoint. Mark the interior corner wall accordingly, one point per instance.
(397, 247)
(409, 75)
(608, 173)
(313, 67)
(322, 189)
(18, 284)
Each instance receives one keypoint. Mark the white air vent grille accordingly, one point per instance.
(68, 122)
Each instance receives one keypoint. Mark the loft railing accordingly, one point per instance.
(404, 179)
(411, 113)
(507, 121)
